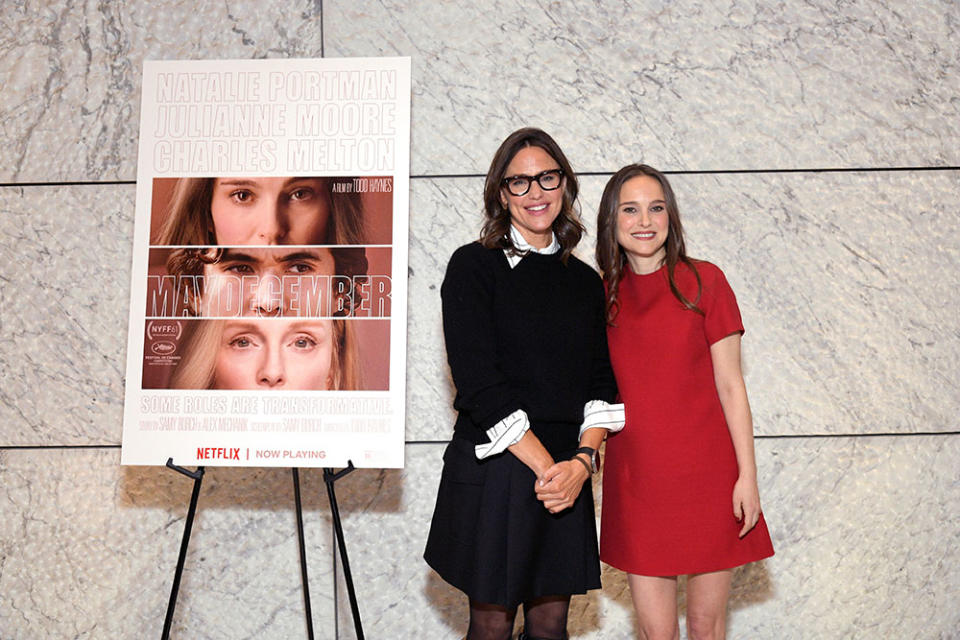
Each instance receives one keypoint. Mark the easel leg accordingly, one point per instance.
(187, 527)
(329, 477)
(303, 553)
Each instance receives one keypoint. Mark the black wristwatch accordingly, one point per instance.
(594, 457)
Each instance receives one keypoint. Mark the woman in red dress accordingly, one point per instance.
(680, 490)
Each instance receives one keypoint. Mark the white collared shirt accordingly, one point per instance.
(523, 247)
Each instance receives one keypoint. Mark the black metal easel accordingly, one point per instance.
(329, 477)
(187, 527)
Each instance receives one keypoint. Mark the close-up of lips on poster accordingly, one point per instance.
(266, 325)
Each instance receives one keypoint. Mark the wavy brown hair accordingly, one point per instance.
(496, 226)
(612, 259)
(189, 221)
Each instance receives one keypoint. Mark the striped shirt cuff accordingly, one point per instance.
(598, 413)
(503, 434)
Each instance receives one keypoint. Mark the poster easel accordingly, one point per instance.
(329, 478)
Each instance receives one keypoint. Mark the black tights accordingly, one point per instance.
(543, 619)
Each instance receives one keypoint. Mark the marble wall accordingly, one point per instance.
(816, 151)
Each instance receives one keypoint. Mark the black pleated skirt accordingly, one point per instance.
(491, 538)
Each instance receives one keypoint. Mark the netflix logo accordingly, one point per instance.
(218, 453)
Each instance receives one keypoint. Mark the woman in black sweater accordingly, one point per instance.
(524, 327)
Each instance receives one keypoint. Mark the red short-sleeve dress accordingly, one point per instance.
(668, 476)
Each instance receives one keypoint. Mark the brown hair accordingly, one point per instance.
(496, 226)
(612, 259)
(189, 221)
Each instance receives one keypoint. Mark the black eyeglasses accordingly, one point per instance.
(548, 181)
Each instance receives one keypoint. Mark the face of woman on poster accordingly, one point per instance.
(270, 210)
(643, 223)
(275, 354)
(533, 194)
(269, 283)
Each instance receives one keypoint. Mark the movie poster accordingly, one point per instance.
(266, 325)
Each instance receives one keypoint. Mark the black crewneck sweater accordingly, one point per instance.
(532, 337)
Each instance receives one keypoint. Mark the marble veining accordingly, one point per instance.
(71, 100)
(88, 550)
(444, 214)
(846, 296)
(64, 297)
(795, 82)
(685, 85)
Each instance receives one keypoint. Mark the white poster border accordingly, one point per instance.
(194, 426)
